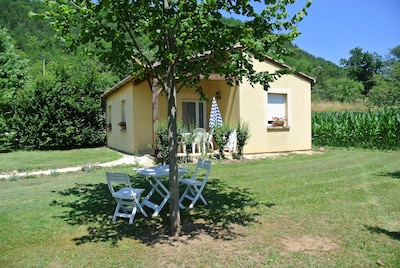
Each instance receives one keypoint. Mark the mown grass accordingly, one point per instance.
(349, 199)
(24, 161)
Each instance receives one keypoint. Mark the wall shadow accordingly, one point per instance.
(379, 230)
(93, 206)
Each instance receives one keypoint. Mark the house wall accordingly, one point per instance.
(254, 110)
(210, 87)
(138, 131)
(237, 102)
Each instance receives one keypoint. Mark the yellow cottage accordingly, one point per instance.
(130, 115)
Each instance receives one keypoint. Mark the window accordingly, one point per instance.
(194, 114)
(277, 106)
(109, 122)
(123, 111)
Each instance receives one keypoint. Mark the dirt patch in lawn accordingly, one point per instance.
(207, 243)
(223, 247)
(309, 244)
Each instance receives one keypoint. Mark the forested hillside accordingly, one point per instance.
(37, 40)
(34, 37)
(36, 71)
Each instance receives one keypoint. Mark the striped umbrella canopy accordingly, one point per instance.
(215, 115)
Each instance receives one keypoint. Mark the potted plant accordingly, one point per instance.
(243, 135)
(278, 121)
(221, 136)
(122, 124)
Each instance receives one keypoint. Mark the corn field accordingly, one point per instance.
(371, 130)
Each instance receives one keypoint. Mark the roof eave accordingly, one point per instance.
(282, 65)
(114, 88)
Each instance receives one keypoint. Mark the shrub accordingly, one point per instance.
(6, 136)
(221, 136)
(243, 135)
(162, 149)
(62, 110)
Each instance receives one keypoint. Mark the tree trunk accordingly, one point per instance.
(175, 218)
(154, 100)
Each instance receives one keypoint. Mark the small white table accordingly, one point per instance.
(154, 175)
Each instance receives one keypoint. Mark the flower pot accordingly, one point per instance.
(122, 125)
(278, 123)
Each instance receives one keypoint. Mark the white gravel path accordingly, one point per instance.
(144, 161)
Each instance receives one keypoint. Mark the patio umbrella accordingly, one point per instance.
(215, 115)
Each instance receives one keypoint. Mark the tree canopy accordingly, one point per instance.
(361, 66)
(13, 77)
(386, 89)
(177, 31)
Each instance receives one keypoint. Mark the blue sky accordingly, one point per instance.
(333, 27)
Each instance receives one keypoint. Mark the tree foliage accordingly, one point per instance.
(34, 37)
(361, 66)
(343, 90)
(13, 72)
(13, 77)
(386, 89)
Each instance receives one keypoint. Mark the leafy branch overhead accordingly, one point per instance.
(147, 37)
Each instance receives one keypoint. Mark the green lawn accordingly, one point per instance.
(23, 161)
(340, 208)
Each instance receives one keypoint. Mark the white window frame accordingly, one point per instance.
(198, 124)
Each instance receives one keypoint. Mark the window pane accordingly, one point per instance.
(201, 115)
(276, 105)
(193, 114)
(109, 115)
(123, 111)
(189, 114)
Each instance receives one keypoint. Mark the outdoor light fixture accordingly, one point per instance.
(218, 95)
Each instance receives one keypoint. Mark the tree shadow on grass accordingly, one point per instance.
(93, 206)
(394, 175)
(379, 230)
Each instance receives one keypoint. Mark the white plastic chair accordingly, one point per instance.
(232, 142)
(127, 198)
(195, 185)
(210, 139)
(200, 136)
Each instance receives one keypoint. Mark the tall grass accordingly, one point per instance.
(337, 106)
(372, 130)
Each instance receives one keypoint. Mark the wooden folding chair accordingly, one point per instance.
(127, 198)
(195, 185)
